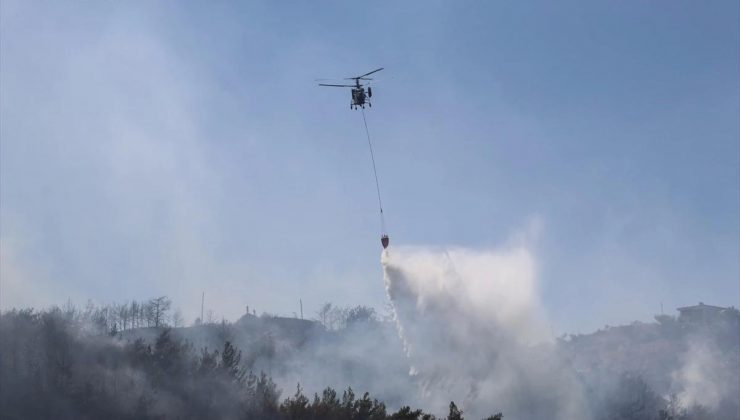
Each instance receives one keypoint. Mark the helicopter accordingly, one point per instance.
(359, 96)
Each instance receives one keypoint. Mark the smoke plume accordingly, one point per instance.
(708, 375)
(473, 332)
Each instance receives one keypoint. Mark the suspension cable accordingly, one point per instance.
(375, 172)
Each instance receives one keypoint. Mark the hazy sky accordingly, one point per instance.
(176, 147)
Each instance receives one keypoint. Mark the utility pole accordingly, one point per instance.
(202, 302)
(301, 302)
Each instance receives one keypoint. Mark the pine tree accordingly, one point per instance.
(455, 413)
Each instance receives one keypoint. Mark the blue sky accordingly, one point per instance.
(172, 148)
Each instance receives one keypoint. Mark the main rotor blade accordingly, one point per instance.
(367, 74)
(324, 84)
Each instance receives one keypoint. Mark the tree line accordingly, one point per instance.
(76, 363)
(115, 317)
(55, 366)
(334, 317)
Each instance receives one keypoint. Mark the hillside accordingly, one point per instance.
(688, 370)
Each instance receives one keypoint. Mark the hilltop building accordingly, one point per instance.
(701, 313)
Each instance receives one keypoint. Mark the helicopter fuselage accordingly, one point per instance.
(358, 96)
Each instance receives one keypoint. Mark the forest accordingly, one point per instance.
(71, 364)
(138, 361)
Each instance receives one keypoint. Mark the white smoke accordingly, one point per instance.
(473, 332)
(707, 375)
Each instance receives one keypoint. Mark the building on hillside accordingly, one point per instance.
(701, 313)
